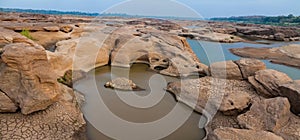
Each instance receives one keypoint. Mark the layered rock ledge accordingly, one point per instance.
(286, 55)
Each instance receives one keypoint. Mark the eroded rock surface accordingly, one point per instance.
(269, 115)
(267, 82)
(27, 77)
(122, 83)
(6, 104)
(286, 55)
(225, 70)
(227, 96)
(238, 134)
(248, 66)
(62, 120)
(292, 92)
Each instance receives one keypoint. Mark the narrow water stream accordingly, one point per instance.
(140, 74)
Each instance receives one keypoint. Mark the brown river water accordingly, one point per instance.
(152, 108)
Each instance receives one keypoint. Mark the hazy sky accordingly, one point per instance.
(206, 8)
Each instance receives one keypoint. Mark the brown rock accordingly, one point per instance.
(291, 130)
(8, 36)
(242, 134)
(225, 70)
(27, 78)
(66, 28)
(122, 83)
(250, 66)
(271, 80)
(259, 88)
(269, 115)
(6, 104)
(292, 92)
(227, 96)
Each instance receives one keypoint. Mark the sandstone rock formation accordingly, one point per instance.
(8, 36)
(225, 70)
(122, 83)
(267, 82)
(238, 134)
(27, 77)
(6, 104)
(227, 96)
(248, 67)
(268, 115)
(292, 92)
(286, 55)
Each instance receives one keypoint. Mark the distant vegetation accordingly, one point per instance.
(26, 33)
(54, 12)
(289, 20)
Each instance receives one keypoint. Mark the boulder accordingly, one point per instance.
(279, 37)
(27, 77)
(242, 134)
(6, 104)
(268, 115)
(66, 28)
(228, 96)
(225, 70)
(292, 92)
(271, 80)
(122, 83)
(249, 66)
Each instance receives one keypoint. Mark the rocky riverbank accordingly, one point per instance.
(56, 50)
(286, 55)
(227, 32)
(264, 104)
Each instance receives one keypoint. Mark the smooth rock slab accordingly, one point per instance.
(271, 80)
(269, 115)
(225, 70)
(27, 77)
(249, 66)
(227, 96)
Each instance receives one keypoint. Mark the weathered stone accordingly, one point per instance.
(249, 66)
(66, 28)
(225, 70)
(8, 36)
(292, 92)
(122, 83)
(227, 96)
(6, 104)
(242, 134)
(271, 80)
(259, 88)
(279, 37)
(27, 77)
(269, 115)
(291, 131)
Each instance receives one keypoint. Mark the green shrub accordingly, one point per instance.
(26, 33)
